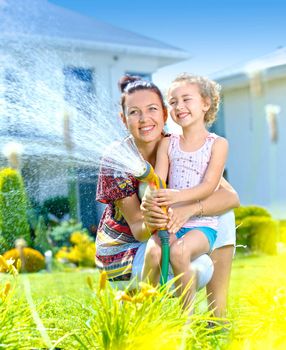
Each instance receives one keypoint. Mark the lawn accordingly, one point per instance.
(65, 308)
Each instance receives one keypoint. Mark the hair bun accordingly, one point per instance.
(127, 79)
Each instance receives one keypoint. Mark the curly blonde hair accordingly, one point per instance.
(209, 89)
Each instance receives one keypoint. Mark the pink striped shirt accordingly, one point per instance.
(187, 170)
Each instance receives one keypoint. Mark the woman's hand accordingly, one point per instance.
(178, 216)
(166, 197)
(154, 216)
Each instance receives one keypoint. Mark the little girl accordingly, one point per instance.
(194, 163)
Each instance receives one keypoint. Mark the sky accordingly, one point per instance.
(217, 34)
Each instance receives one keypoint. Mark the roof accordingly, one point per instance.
(41, 18)
(271, 64)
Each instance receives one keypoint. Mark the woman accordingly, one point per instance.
(122, 227)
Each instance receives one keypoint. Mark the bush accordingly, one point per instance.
(58, 206)
(256, 229)
(60, 235)
(251, 210)
(282, 231)
(82, 253)
(33, 261)
(41, 241)
(13, 209)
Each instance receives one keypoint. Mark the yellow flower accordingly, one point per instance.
(3, 262)
(19, 265)
(122, 296)
(139, 298)
(102, 280)
(7, 288)
(150, 292)
(90, 282)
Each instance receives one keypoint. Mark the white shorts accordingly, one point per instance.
(226, 230)
(203, 266)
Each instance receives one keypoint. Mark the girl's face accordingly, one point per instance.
(186, 105)
(144, 116)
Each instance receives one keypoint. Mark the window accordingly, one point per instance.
(145, 76)
(79, 87)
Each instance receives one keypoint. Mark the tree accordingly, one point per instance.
(13, 209)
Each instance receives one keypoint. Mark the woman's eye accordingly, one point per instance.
(134, 112)
(153, 109)
(172, 103)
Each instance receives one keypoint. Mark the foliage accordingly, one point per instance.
(282, 231)
(13, 209)
(32, 260)
(60, 235)
(256, 229)
(41, 241)
(17, 330)
(260, 312)
(81, 253)
(58, 206)
(150, 318)
(251, 210)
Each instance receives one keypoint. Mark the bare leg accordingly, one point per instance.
(217, 288)
(152, 261)
(184, 250)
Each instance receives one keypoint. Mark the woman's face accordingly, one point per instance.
(144, 116)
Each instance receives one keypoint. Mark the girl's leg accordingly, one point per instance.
(217, 288)
(152, 261)
(184, 250)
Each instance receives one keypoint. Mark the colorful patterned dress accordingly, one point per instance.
(115, 243)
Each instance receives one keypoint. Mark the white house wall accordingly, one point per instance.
(256, 166)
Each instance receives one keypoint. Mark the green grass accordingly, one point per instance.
(66, 306)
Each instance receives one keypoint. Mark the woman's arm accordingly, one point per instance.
(130, 209)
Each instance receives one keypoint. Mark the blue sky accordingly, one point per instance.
(217, 34)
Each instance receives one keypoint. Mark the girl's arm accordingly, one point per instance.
(130, 209)
(162, 159)
(210, 181)
(219, 202)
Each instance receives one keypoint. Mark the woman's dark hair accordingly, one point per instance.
(129, 84)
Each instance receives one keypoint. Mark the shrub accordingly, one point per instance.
(41, 241)
(13, 209)
(256, 229)
(282, 231)
(251, 210)
(58, 206)
(60, 235)
(33, 261)
(82, 252)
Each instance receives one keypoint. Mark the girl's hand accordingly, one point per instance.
(153, 215)
(166, 197)
(178, 216)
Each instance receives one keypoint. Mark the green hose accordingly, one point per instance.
(154, 180)
(164, 237)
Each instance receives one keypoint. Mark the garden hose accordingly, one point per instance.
(154, 181)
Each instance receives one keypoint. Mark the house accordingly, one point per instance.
(51, 57)
(253, 118)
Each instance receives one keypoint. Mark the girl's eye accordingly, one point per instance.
(153, 109)
(187, 99)
(172, 103)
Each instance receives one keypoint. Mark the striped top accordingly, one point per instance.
(115, 244)
(187, 170)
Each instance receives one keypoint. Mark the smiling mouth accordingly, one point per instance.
(146, 129)
(182, 115)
